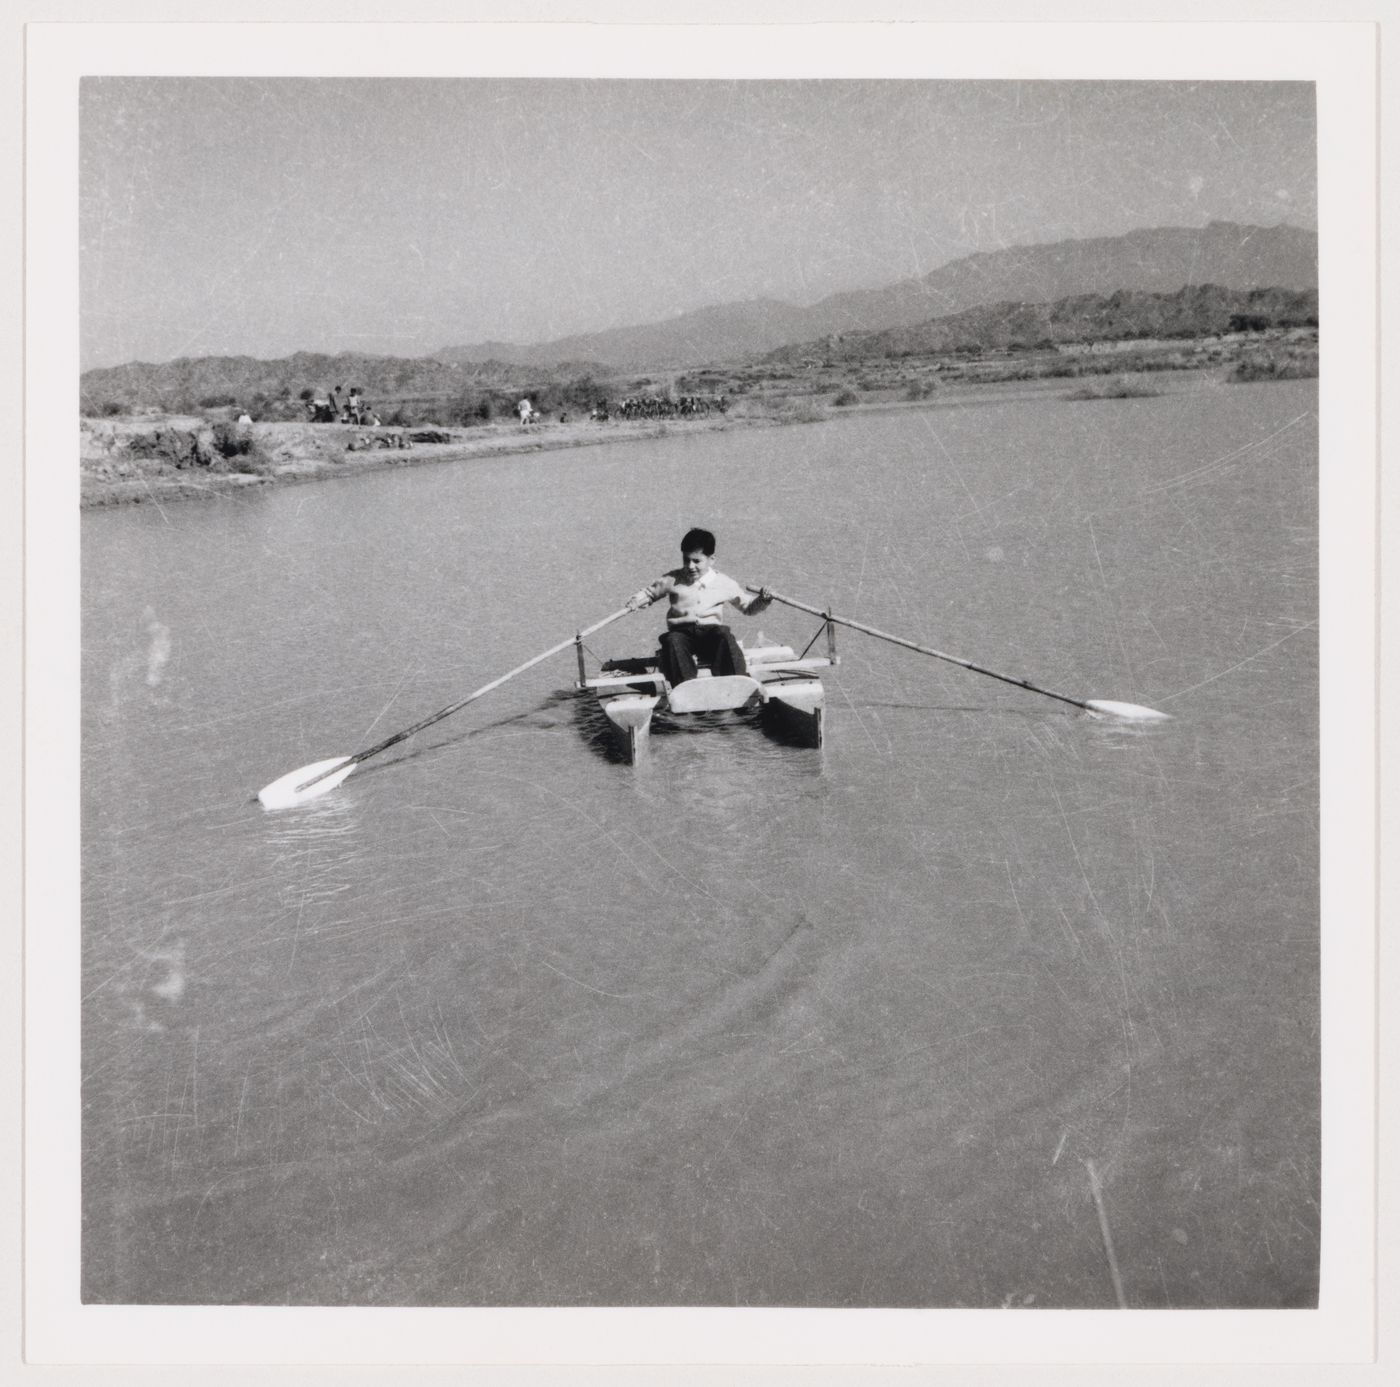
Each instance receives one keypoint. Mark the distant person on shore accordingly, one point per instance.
(697, 591)
(526, 411)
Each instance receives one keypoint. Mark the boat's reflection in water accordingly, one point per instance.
(758, 735)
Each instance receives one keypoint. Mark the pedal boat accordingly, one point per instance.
(781, 684)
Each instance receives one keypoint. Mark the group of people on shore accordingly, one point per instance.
(663, 407)
(354, 409)
(636, 407)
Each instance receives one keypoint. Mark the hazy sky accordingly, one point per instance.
(265, 216)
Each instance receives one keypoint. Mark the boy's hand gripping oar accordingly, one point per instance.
(1133, 712)
(300, 785)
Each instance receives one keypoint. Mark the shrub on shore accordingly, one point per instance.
(219, 446)
(167, 446)
(1119, 388)
(236, 444)
(846, 397)
(1272, 368)
(790, 411)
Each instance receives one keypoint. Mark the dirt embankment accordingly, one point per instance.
(160, 457)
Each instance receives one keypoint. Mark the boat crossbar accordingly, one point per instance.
(783, 666)
(657, 681)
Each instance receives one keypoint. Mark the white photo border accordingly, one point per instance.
(1340, 58)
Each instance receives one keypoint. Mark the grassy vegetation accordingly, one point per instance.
(823, 380)
(805, 390)
(787, 410)
(132, 445)
(1116, 388)
(1299, 366)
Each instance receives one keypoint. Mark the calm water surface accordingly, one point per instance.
(503, 1021)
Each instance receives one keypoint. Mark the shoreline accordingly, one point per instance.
(121, 466)
(316, 452)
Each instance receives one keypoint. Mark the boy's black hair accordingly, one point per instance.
(702, 540)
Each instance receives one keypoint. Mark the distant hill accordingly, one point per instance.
(1160, 260)
(1154, 261)
(720, 333)
(193, 380)
(1193, 311)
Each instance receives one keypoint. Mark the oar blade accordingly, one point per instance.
(288, 790)
(1125, 712)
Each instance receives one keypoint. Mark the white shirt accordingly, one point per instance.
(700, 601)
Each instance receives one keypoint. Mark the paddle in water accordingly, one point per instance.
(298, 786)
(1129, 712)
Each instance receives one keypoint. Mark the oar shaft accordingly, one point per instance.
(470, 698)
(486, 688)
(922, 649)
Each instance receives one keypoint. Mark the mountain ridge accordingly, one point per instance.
(1193, 310)
(1152, 259)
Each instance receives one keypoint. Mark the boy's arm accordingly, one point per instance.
(759, 602)
(653, 592)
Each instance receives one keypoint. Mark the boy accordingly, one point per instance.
(697, 591)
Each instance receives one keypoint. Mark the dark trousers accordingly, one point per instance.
(682, 645)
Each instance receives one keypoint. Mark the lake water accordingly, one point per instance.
(984, 1003)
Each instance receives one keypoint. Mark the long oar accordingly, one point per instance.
(1132, 711)
(309, 781)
